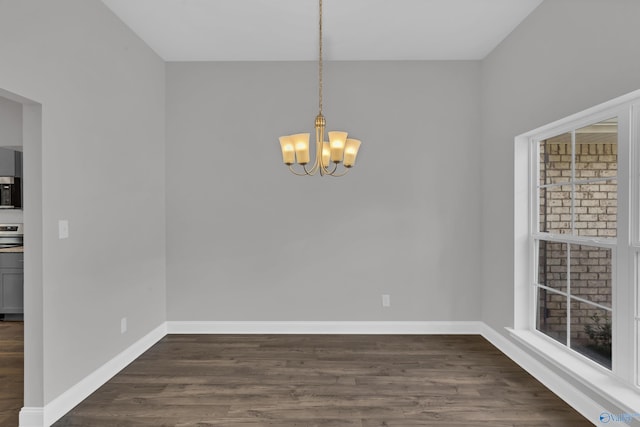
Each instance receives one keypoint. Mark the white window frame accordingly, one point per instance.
(622, 382)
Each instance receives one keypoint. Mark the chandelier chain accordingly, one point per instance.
(320, 59)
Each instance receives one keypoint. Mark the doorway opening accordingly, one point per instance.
(21, 296)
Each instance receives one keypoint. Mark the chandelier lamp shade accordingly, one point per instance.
(329, 154)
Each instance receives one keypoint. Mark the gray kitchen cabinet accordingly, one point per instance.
(18, 159)
(11, 283)
(10, 162)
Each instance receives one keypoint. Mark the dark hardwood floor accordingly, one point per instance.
(324, 381)
(11, 372)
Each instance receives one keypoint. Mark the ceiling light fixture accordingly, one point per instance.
(339, 149)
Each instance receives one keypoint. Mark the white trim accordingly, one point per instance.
(625, 360)
(600, 242)
(31, 417)
(62, 404)
(524, 153)
(321, 327)
(582, 118)
(573, 298)
(521, 352)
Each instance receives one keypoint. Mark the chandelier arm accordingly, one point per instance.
(338, 175)
(311, 171)
(326, 170)
(296, 173)
(317, 164)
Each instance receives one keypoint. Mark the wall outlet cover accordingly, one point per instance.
(63, 229)
(386, 300)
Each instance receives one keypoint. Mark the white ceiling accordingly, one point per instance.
(278, 30)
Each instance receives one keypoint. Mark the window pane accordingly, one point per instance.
(597, 150)
(596, 209)
(591, 273)
(551, 318)
(544, 210)
(591, 332)
(555, 159)
(552, 265)
(555, 209)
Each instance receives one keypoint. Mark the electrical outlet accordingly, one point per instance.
(386, 300)
(123, 325)
(63, 229)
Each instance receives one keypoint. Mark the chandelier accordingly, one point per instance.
(339, 148)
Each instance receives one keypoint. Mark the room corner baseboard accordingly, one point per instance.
(574, 397)
(62, 404)
(31, 416)
(44, 417)
(322, 327)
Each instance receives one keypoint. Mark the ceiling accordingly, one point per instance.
(286, 30)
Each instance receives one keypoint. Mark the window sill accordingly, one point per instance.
(600, 381)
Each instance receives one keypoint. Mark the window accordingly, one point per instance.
(576, 231)
(577, 236)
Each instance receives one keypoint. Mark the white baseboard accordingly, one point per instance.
(39, 417)
(31, 417)
(54, 410)
(320, 327)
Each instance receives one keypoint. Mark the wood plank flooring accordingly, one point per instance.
(323, 381)
(11, 372)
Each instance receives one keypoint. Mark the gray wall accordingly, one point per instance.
(10, 123)
(102, 96)
(568, 55)
(247, 240)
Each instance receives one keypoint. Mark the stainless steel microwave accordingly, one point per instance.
(10, 193)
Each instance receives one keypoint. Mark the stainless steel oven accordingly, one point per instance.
(11, 235)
